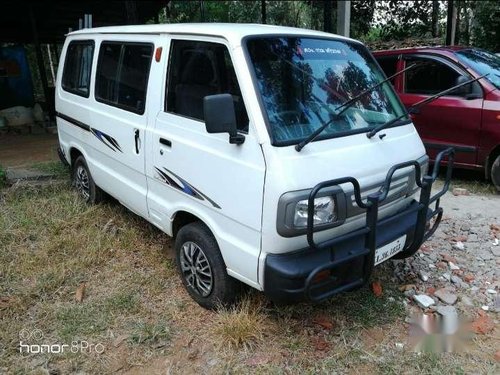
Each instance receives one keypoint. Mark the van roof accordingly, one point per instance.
(233, 32)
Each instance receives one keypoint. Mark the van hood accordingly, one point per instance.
(357, 156)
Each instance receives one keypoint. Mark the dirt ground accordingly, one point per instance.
(74, 274)
(19, 150)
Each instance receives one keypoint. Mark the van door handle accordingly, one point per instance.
(166, 142)
(136, 136)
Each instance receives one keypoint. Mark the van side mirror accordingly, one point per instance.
(220, 116)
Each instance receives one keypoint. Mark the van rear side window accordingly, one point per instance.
(122, 75)
(77, 67)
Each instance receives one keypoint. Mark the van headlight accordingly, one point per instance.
(329, 211)
(324, 212)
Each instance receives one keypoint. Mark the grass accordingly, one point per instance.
(242, 326)
(3, 177)
(55, 168)
(473, 181)
(151, 333)
(51, 243)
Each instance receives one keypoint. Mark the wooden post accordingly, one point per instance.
(41, 67)
(343, 18)
(263, 11)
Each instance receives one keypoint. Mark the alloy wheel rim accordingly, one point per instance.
(196, 269)
(82, 182)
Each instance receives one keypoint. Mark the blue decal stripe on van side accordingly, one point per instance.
(103, 137)
(168, 178)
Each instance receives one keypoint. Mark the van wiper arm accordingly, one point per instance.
(344, 107)
(348, 103)
(421, 103)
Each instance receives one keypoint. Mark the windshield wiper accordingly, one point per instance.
(345, 106)
(415, 106)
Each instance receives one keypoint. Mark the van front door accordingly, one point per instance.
(452, 120)
(200, 173)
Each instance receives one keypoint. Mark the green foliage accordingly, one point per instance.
(401, 19)
(305, 14)
(362, 13)
(485, 28)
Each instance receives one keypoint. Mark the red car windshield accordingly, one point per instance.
(482, 62)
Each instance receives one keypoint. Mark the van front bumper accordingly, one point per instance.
(346, 262)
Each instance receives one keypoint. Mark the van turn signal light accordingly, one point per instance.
(158, 54)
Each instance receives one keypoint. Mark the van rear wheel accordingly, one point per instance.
(84, 183)
(202, 269)
(495, 173)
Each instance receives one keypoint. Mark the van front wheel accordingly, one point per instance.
(84, 183)
(495, 173)
(202, 268)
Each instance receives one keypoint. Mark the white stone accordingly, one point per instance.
(491, 291)
(431, 265)
(447, 276)
(423, 300)
(453, 266)
(496, 242)
(459, 245)
(485, 307)
(423, 276)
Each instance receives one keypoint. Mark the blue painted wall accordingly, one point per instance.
(16, 86)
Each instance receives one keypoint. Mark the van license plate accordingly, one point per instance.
(388, 251)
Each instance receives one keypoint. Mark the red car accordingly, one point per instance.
(469, 118)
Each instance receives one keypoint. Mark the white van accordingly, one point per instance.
(276, 157)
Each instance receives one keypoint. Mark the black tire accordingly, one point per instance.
(197, 256)
(495, 173)
(84, 183)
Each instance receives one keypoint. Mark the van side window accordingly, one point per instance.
(122, 75)
(77, 67)
(429, 76)
(199, 69)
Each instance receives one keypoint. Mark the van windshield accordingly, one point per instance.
(482, 62)
(302, 81)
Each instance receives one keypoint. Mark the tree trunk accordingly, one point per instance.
(131, 12)
(435, 18)
(327, 16)
(451, 20)
(51, 64)
(457, 24)
(263, 11)
(466, 23)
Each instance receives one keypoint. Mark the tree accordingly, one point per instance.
(402, 19)
(362, 13)
(485, 29)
